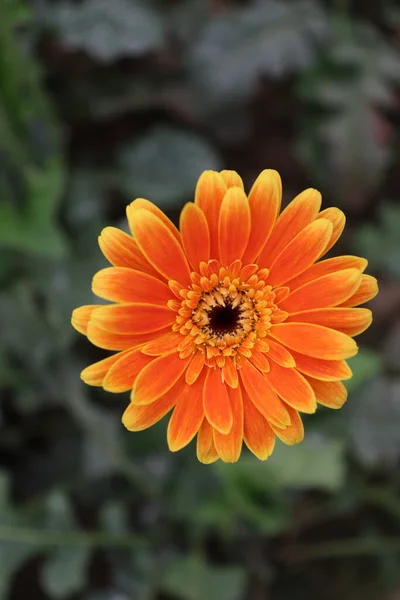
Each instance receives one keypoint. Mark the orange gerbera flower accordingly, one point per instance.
(234, 322)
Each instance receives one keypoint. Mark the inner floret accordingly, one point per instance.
(226, 312)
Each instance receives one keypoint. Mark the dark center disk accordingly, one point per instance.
(224, 319)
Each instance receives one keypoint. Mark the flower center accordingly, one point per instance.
(226, 312)
(223, 319)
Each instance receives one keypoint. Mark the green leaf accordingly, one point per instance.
(345, 136)
(266, 36)
(34, 230)
(31, 168)
(59, 515)
(365, 366)
(250, 496)
(373, 423)
(64, 572)
(20, 320)
(380, 243)
(315, 463)
(108, 31)
(114, 518)
(19, 12)
(165, 165)
(192, 579)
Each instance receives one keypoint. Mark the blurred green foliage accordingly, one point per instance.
(103, 101)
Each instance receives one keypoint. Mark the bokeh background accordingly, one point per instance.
(105, 100)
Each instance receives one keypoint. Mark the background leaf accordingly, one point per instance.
(351, 137)
(107, 32)
(265, 37)
(317, 463)
(373, 424)
(190, 579)
(381, 245)
(31, 169)
(64, 573)
(179, 157)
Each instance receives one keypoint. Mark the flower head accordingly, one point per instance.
(236, 322)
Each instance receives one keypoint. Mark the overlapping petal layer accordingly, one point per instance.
(236, 322)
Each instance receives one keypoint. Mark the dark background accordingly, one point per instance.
(105, 100)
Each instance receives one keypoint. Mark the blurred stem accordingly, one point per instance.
(300, 553)
(40, 537)
(342, 548)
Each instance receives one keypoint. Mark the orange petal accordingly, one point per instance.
(229, 446)
(187, 416)
(338, 220)
(280, 354)
(368, 289)
(175, 288)
(121, 250)
(159, 246)
(234, 225)
(259, 360)
(206, 452)
(195, 235)
(230, 374)
(297, 215)
(262, 395)
(291, 386)
(116, 341)
(301, 252)
(325, 370)
(163, 344)
(217, 406)
(327, 291)
(351, 321)
(158, 377)
(265, 202)
(121, 376)
(120, 284)
(137, 418)
(132, 318)
(143, 204)
(257, 432)
(293, 433)
(232, 179)
(210, 190)
(195, 367)
(314, 340)
(325, 267)
(332, 394)
(81, 316)
(94, 374)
